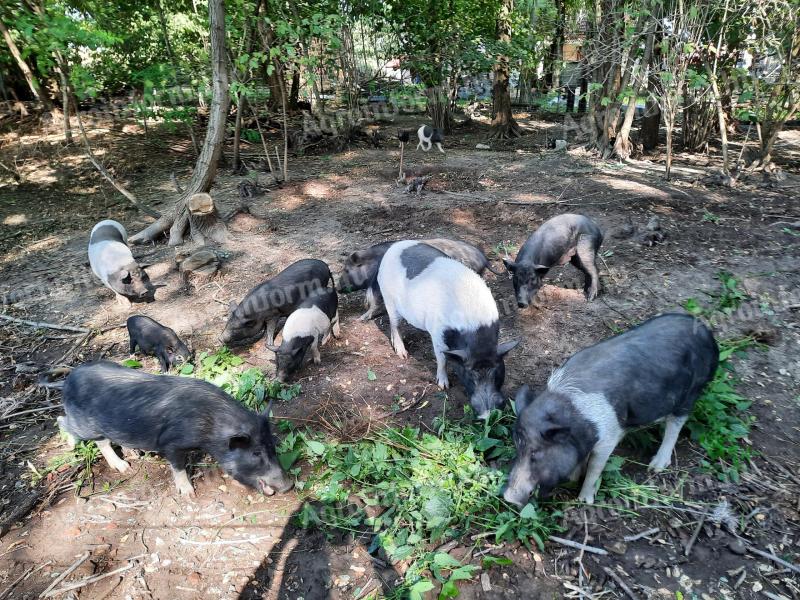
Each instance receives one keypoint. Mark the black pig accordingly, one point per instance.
(154, 339)
(170, 415)
(278, 297)
(562, 239)
(650, 373)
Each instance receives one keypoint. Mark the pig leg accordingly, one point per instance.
(597, 462)
(394, 323)
(664, 455)
(337, 330)
(71, 439)
(163, 359)
(315, 351)
(111, 457)
(441, 364)
(371, 302)
(132, 346)
(586, 256)
(439, 146)
(177, 460)
(272, 324)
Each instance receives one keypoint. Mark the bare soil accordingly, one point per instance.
(230, 542)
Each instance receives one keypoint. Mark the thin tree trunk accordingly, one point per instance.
(206, 165)
(237, 135)
(553, 76)
(723, 127)
(503, 123)
(30, 77)
(63, 72)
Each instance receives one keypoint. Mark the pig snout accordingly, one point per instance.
(277, 482)
(485, 399)
(520, 484)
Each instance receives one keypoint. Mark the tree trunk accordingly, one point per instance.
(294, 93)
(439, 108)
(30, 77)
(669, 123)
(553, 75)
(63, 72)
(503, 123)
(723, 128)
(622, 145)
(206, 165)
(237, 137)
(651, 123)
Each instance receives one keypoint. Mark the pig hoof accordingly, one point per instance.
(586, 499)
(186, 490)
(122, 466)
(657, 464)
(443, 383)
(317, 360)
(402, 354)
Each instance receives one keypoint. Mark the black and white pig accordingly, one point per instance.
(562, 239)
(361, 268)
(308, 327)
(650, 373)
(428, 136)
(170, 415)
(263, 306)
(433, 292)
(113, 263)
(154, 339)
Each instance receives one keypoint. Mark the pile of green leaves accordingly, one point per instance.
(421, 489)
(720, 422)
(250, 386)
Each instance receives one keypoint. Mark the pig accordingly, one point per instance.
(113, 263)
(564, 238)
(650, 373)
(263, 306)
(154, 339)
(361, 268)
(428, 136)
(309, 326)
(453, 304)
(170, 415)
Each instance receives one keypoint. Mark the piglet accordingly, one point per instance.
(653, 372)
(308, 327)
(113, 263)
(433, 292)
(562, 239)
(264, 305)
(170, 415)
(154, 339)
(428, 136)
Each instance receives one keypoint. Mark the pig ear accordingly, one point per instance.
(555, 433)
(541, 269)
(355, 257)
(523, 399)
(506, 347)
(125, 276)
(232, 306)
(511, 266)
(459, 355)
(240, 441)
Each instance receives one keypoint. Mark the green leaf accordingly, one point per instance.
(444, 560)
(529, 512)
(187, 369)
(415, 591)
(491, 561)
(132, 363)
(371, 375)
(287, 459)
(316, 447)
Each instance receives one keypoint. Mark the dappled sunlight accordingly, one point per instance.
(630, 186)
(18, 219)
(317, 189)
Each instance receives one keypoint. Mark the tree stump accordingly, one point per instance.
(200, 216)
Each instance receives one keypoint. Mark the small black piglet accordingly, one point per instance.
(154, 339)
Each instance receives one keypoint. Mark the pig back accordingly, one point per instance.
(655, 369)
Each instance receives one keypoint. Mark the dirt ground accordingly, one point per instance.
(230, 542)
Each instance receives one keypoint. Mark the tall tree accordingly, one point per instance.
(27, 72)
(503, 123)
(206, 166)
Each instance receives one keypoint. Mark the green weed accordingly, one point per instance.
(84, 455)
(725, 302)
(417, 490)
(250, 386)
(505, 248)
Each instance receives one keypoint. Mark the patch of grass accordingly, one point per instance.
(249, 386)
(720, 422)
(415, 491)
(84, 455)
(709, 217)
(505, 248)
(726, 301)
